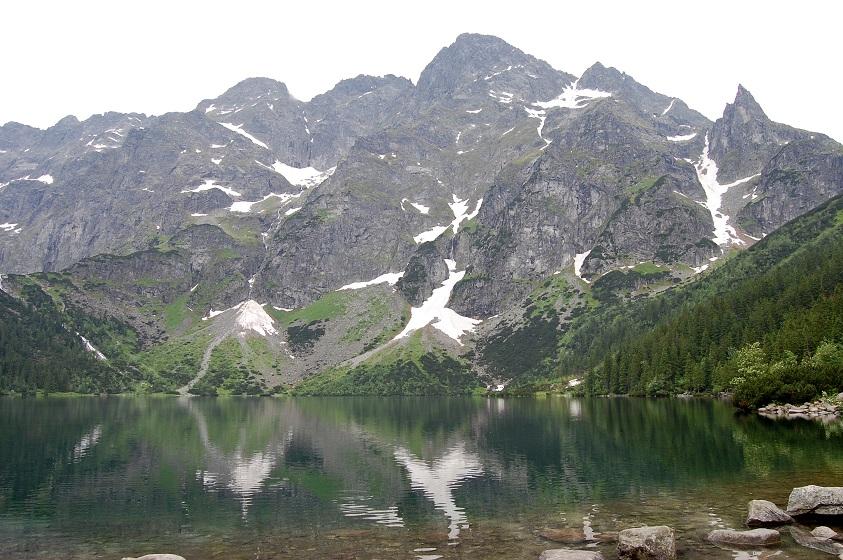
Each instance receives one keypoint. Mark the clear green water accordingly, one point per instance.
(380, 478)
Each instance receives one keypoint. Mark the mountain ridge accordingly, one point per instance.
(514, 185)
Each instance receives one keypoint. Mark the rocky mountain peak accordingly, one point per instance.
(468, 59)
(745, 108)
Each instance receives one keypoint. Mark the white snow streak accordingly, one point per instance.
(245, 206)
(460, 210)
(239, 130)
(579, 259)
(90, 348)
(435, 309)
(216, 161)
(46, 179)
(197, 215)
(300, 176)
(542, 116)
(8, 227)
(292, 211)
(724, 234)
(473, 111)
(211, 184)
(389, 278)
(683, 137)
(572, 97)
(669, 107)
(420, 207)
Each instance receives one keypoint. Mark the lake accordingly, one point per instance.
(90, 477)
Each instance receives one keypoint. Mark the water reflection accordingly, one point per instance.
(439, 480)
(112, 470)
(239, 470)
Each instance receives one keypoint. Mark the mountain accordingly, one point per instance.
(446, 232)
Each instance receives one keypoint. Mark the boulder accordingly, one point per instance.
(766, 514)
(647, 543)
(156, 557)
(823, 532)
(816, 500)
(753, 537)
(570, 554)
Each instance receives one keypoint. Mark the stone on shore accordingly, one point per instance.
(570, 554)
(766, 514)
(816, 500)
(753, 537)
(647, 543)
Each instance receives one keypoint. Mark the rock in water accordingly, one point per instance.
(569, 554)
(766, 514)
(823, 532)
(808, 540)
(753, 537)
(816, 500)
(647, 543)
(157, 557)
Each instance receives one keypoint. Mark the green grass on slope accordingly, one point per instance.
(408, 369)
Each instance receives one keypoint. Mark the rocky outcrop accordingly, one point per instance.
(647, 543)
(817, 409)
(766, 514)
(815, 500)
(752, 537)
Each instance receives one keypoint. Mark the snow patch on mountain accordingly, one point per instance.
(91, 348)
(669, 107)
(724, 234)
(46, 179)
(473, 111)
(211, 184)
(579, 260)
(420, 207)
(300, 176)
(245, 206)
(252, 317)
(389, 278)
(542, 116)
(434, 310)
(461, 213)
(573, 97)
(8, 227)
(682, 137)
(239, 130)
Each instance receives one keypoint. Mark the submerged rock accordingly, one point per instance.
(156, 557)
(647, 543)
(567, 535)
(753, 537)
(816, 500)
(766, 514)
(570, 554)
(808, 540)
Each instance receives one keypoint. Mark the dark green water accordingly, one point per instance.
(386, 478)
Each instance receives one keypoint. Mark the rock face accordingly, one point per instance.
(816, 500)
(753, 537)
(766, 514)
(647, 543)
(567, 554)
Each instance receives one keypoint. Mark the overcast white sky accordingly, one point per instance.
(83, 57)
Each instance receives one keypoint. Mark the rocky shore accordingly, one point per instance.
(821, 409)
(808, 509)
